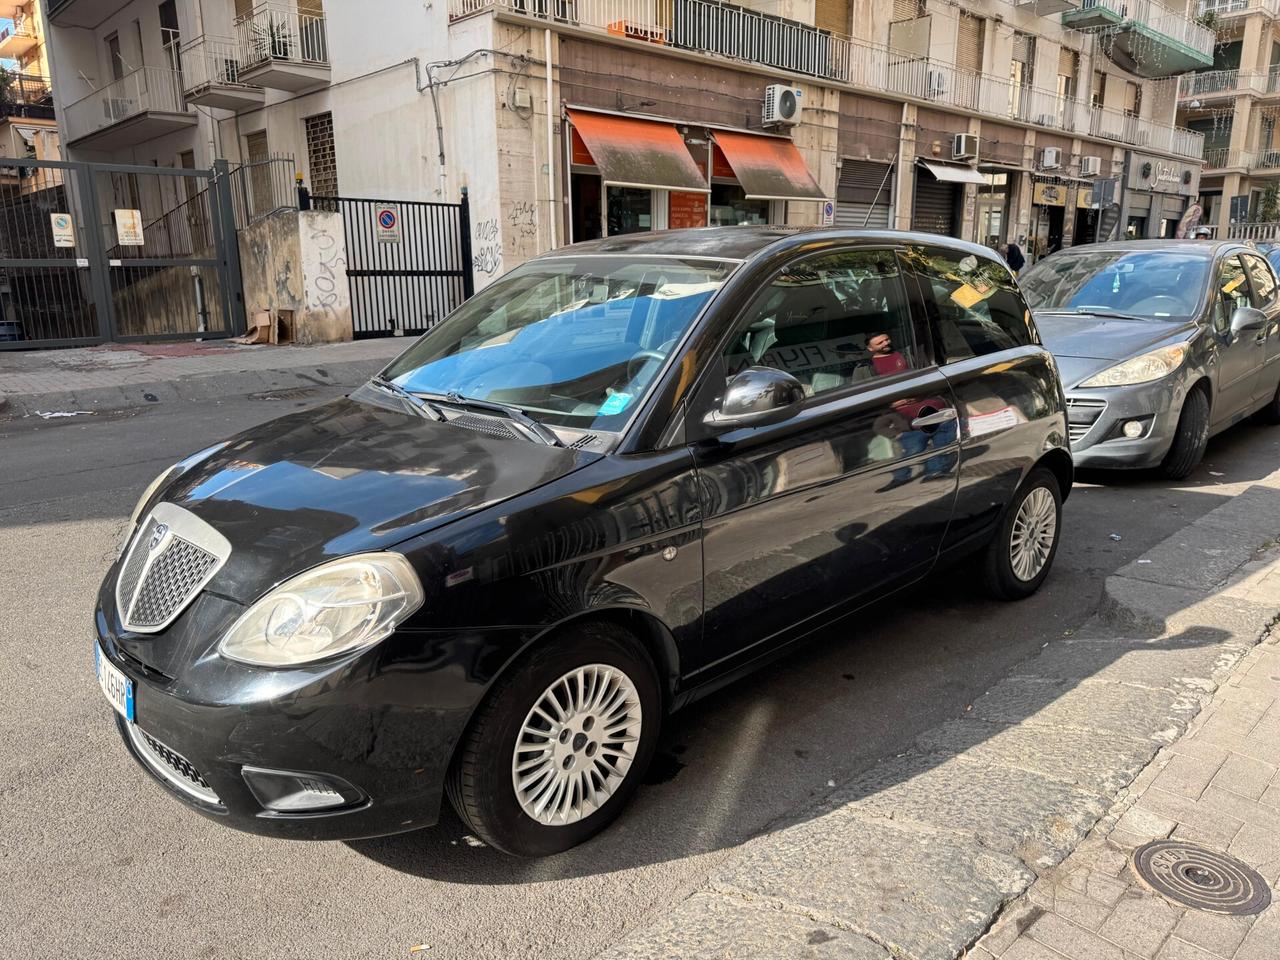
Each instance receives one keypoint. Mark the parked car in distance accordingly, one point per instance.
(1271, 250)
(620, 476)
(1161, 344)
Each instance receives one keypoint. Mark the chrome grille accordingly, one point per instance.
(173, 556)
(171, 765)
(1082, 414)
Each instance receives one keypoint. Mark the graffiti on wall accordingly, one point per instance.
(487, 255)
(326, 293)
(523, 217)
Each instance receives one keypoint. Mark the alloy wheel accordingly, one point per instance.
(1034, 530)
(576, 745)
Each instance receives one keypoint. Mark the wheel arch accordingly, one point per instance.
(1059, 462)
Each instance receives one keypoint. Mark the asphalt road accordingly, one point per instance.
(96, 861)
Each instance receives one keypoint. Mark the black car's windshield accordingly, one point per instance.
(570, 341)
(1138, 284)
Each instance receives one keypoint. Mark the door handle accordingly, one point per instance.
(945, 415)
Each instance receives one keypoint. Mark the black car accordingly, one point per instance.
(620, 476)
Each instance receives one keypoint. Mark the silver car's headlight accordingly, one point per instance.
(335, 608)
(1143, 369)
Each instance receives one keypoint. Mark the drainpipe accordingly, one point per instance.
(551, 139)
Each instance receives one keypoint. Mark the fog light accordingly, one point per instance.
(1134, 429)
(284, 792)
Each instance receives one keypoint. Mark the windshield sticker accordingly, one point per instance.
(614, 403)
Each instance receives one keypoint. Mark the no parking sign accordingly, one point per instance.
(388, 221)
(828, 212)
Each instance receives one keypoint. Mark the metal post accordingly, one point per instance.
(224, 216)
(99, 266)
(304, 195)
(464, 240)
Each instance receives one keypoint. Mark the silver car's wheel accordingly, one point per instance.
(1035, 527)
(576, 745)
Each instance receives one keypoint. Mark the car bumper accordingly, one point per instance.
(1100, 444)
(385, 755)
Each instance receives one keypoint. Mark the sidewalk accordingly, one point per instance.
(1027, 807)
(116, 376)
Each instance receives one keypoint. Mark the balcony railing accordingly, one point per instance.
(211, 61)
(709, 27)
(1225, 9)
(28, 90)
(1218, 158)
(146, 89)
(1174, 24)
(280, 33)
(1220, 83)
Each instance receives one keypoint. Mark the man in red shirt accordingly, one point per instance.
(886, 360)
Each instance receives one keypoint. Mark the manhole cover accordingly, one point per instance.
(1200, 878)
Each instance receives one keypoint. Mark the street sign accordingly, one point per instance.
(828, 212)
(387, 217)
(129, 228)
(1104, 191)
(64, 230)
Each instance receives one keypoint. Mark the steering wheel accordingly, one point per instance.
(637, 362)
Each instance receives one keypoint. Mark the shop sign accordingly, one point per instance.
(129, 228)
(1159, 175)
(1084, 197)
(1049, 195)
(686, 210)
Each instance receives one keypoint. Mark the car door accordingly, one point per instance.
(849, 496)
(1266, 297)
(1238, 355)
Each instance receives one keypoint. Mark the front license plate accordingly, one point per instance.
(117, 687)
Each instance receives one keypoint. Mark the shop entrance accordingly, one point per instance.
(585, 201)
(1086, 230)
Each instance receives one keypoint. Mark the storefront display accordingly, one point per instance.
(1048, 217)
(1157, 192)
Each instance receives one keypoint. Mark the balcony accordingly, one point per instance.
(211, 75)
(720, 30)
(1223, 10)
(282, 49)
(82, 13)
(1220, 159)
(1213, 85)
(17, 41)
(1146, 37)
(1046, 8)
(147, 103)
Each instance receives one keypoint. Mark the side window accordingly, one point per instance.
(1262, 280)
(830, 321)
(975, 304)
(1232, 293)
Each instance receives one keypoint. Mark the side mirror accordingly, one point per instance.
(756, 397)
(1247, 320)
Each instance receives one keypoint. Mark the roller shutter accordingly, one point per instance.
(935, 206)
(832, 15)
(969, 43)
(864, 196)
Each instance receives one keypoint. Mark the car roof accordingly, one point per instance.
(745, 242)
(1204, 248)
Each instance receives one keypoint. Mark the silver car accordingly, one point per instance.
(1160, 344)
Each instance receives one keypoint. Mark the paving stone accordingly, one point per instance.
(1178, 949)
(1246, 811)
(1146, 662)
(1186, 776)
(1072, 941)
(1108, 707)
(1245, 776)
(1260, 848)
(1262, 942)
(711, 926)
(1272, 796)
(1012, 810)
(1011, 924)
(1145, 823)
(1098, 763)
(1140, 923)
(1217, 934)
(1204, 818)
(1027, 949)
(1190, 559)
(923, 893)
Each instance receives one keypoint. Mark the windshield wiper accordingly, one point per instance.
(419, 405)
(1096, 312)
(510, 411)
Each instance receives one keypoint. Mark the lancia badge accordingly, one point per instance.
(158, 534)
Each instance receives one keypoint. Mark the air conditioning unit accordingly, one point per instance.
(1090, 166)
(782, 105)
(935, 84)
(964, 147)
(1050, 158)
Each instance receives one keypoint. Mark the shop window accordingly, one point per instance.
(975, 307)
(730, 206)
(585, 196)
(629, 210)
(1136, 228)
(830, 321)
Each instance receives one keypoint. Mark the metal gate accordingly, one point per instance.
(408, 261)
(864, 195)
(98, 252)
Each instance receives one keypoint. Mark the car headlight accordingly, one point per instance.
(1143, 369)
(332, 609)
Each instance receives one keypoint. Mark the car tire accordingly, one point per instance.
(1191, 438)
(1271, 412)
(1019, 557)
(606, 688)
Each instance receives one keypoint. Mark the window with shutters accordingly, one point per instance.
(256, 154)
(970, 33)
(243, 8)
(322, 161)
(1068, 72)
(908, 9)
(1132, 99)
(832, 15)
(1099, 96)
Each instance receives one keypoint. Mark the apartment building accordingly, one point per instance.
(989, 120)
(27, 124)
(1234, 104)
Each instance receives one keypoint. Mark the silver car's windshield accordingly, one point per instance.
(572, 342)
(1139, 284)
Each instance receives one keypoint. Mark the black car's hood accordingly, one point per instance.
(1084, 344)
(348, 477)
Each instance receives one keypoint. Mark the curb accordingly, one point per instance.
(212, 386)
(916, 858)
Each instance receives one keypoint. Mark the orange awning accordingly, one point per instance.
(769, 168)
(630, 152)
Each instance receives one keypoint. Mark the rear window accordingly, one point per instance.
(975, 306)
